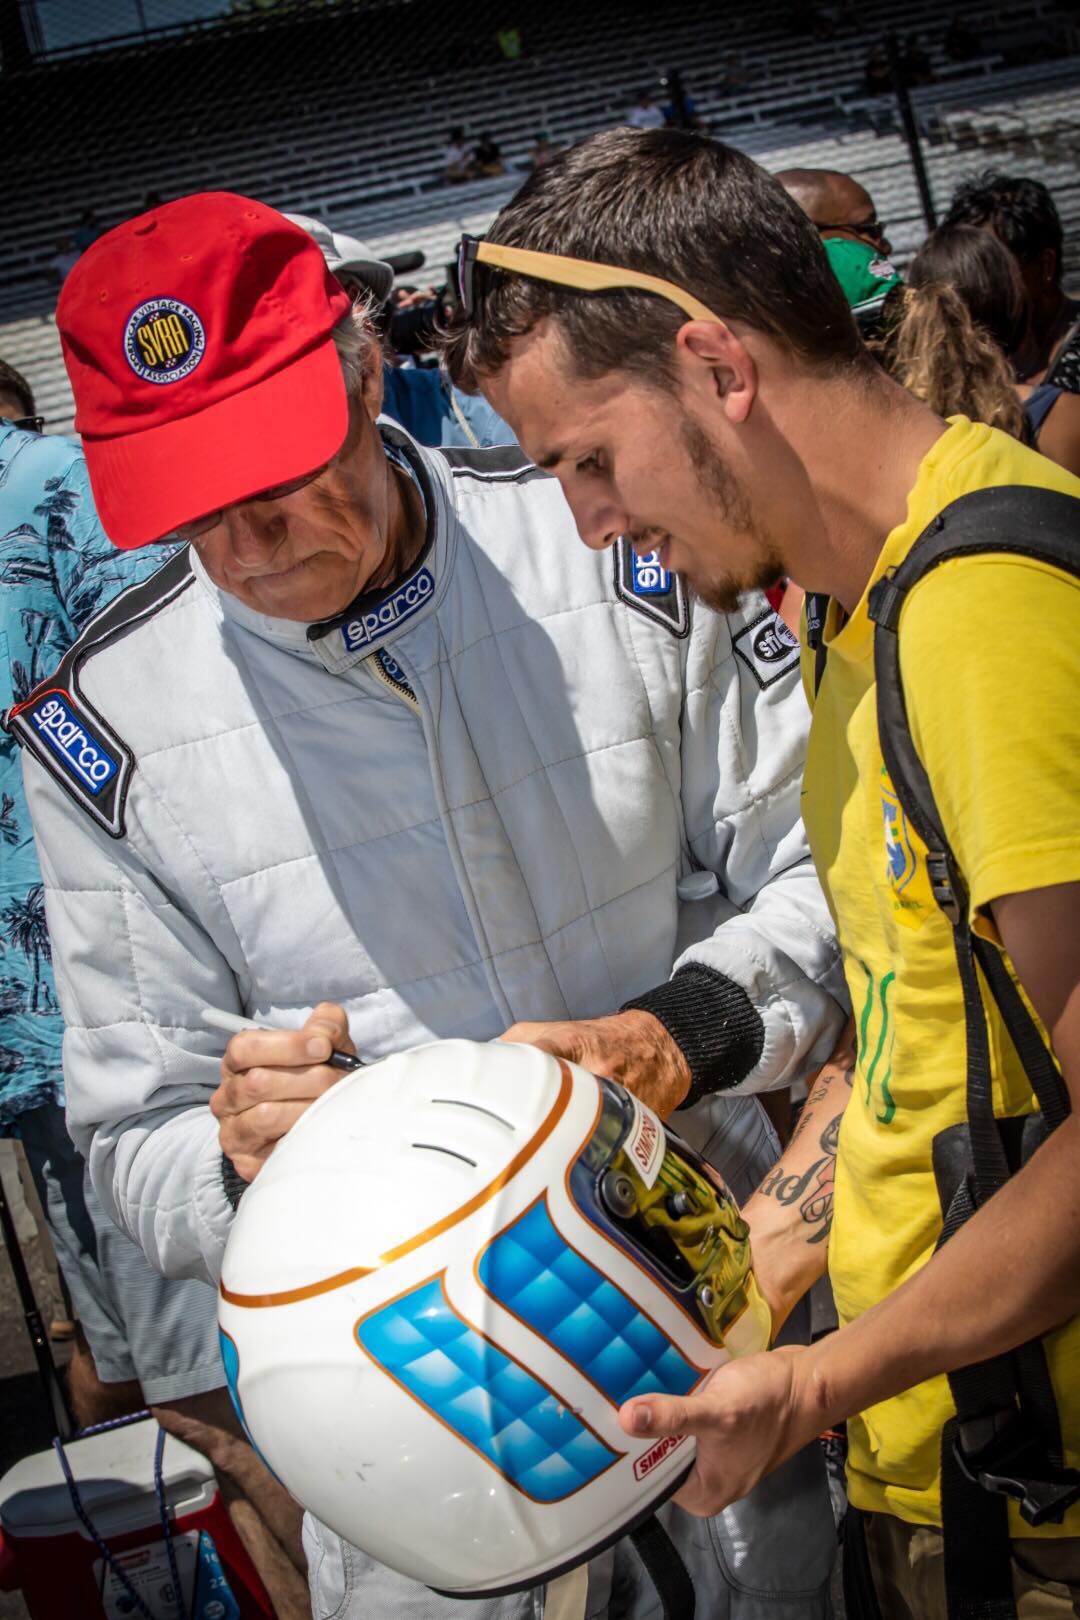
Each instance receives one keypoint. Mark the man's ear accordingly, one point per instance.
(715, 362)
(1048, 265)
(371, 389)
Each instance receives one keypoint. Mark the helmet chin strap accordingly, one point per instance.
(665, 1569)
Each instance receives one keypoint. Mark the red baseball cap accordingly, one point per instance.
(198, 342)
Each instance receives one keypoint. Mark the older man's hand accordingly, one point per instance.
(268, 1078)
(631, 1047)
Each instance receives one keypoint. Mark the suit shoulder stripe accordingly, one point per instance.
(134, 604)
(502, 464)
(66, 733)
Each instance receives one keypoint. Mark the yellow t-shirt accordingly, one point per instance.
(990, 656)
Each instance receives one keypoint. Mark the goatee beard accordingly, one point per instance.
(724, 592)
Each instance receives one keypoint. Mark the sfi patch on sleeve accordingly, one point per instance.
(647, 587)
(767, 647)
(76, 747)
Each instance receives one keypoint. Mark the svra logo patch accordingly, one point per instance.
(164, 340)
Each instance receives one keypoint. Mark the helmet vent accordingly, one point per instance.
(434, 1147)
(477, 1108)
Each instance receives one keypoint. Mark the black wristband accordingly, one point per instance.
(713, 1022)
(233, 1182)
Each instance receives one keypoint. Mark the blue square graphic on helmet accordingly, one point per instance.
(483, 1395)
(531, 1270)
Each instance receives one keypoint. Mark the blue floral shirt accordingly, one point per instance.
(57, 570)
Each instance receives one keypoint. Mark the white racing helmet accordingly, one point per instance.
(442, 1286)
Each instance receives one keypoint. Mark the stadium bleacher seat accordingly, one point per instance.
(343, 112)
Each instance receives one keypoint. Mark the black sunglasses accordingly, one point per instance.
(873, 228)
(29, 424)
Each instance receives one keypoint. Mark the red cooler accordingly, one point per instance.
(46, 1552)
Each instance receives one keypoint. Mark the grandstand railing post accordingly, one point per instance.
(911, 131)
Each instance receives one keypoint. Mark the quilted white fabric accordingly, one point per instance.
(294, 831)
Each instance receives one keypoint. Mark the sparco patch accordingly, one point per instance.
(767, 648)
(78, 749)
(647, 587)
(371, 624)
(81, 753)
(67, 735)
(164, 340)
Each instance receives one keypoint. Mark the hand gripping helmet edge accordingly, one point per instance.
(442, 1286)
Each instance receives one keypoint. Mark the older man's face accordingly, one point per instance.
(306, 550)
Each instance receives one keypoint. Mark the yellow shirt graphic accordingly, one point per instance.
(990, 656)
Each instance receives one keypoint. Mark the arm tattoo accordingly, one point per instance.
(812, 1191)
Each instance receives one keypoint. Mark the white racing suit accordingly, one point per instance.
(469, 800)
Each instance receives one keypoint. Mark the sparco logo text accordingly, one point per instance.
(66, 736)
(650, 579)
(367, 627)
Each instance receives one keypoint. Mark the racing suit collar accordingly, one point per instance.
(374, 618)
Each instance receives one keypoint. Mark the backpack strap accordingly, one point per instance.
(1020, 521)
(1005, 1439)
(817, 606)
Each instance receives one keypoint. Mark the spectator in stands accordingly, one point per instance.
(644, 114)
(808, 17)
(457, 159)
(866, 278)
(510, 43)
(87, 230)
(543, 150)
(951, 342)
(877, 74)
(63, 259)
(1021, 213)
(961, 42)
(837, 204)
(731, 73)
(680, 109)
(916, 68)
(422, 399)
(143, 1339)
(487, 159)
(17, 400)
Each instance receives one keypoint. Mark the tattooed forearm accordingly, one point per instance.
(810, 1188)
(790, 1213)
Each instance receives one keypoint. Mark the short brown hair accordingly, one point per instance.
(670, 203)
(14, 384)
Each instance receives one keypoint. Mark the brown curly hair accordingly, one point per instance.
(950, 330)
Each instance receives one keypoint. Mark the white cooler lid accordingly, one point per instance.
(115, 1475)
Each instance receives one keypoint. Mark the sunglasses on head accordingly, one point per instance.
(583, 274)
